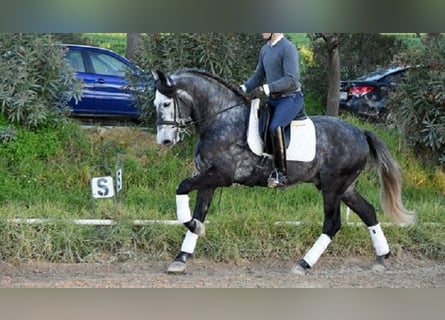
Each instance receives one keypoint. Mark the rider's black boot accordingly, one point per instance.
(277, 178)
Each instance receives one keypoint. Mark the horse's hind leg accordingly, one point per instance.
(366, 212)
(331, 226)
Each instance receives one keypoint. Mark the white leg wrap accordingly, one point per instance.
(183, 208)
(189, 243)
(317, 249)
(379, 240)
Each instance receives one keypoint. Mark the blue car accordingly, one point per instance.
(106, 90)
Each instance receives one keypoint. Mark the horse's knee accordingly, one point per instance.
(183, 188)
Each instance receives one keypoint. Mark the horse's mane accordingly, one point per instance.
(215, 77)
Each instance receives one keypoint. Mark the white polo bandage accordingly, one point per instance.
(379, 240)
(189, 243)
(183, 208)
(317, 249)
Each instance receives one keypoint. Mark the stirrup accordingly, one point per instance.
(277, 179)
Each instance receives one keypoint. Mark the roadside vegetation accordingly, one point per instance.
(45, 173)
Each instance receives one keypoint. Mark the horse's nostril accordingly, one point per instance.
(167, 142)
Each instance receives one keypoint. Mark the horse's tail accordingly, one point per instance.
(390, 179)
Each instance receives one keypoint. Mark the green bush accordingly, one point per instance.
(36, 81)
(233, 56)
(74, 38)
(418, 107)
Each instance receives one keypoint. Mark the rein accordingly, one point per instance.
(217, 113)
(185, 124)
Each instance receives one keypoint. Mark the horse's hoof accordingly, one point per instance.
(378, 267)
(379, 263)
(200, 228)
(298, 270)
(176, 267)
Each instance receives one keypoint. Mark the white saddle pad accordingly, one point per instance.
(302, 138)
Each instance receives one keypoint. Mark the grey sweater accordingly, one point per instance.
(278, 66)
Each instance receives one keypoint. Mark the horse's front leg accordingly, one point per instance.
(195, 225)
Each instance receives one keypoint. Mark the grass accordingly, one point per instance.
(242, 220)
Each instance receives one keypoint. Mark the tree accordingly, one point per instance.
(133, 45)
(331, 40)
(359, 54)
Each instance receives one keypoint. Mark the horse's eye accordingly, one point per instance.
(167, 104)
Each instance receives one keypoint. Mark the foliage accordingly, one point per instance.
(418, 108)
(232, 56)
(36, 82)
(74, 38)
(359, 53)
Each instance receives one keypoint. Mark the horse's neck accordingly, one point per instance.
(224, 110)
(225, 116)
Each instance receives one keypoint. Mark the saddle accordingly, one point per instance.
(264, 116)
(299, 135)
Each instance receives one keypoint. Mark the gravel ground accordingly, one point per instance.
(350, 272)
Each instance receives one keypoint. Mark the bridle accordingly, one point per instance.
(181, 124)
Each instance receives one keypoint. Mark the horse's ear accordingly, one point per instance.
(161, 76)
(163, 83)
(155, 74)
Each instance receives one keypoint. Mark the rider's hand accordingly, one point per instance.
(258, 92)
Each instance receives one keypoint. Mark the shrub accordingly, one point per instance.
(418, 108)
(36, 82)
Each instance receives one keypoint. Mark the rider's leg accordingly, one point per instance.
(278, 176)
(285, 110)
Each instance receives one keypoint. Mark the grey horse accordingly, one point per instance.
(219, 112)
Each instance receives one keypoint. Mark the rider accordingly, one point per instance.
(277, 75)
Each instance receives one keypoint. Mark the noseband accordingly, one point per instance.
(176, 115)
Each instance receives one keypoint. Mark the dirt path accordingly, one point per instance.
(352, 272)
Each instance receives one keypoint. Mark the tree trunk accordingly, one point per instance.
(333, 98)
(133, 44)
(333, 95)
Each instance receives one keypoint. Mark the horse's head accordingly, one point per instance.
(173, 109)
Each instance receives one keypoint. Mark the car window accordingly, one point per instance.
(75, 60)
(379, 74)
(393, 78)
(108, 65)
